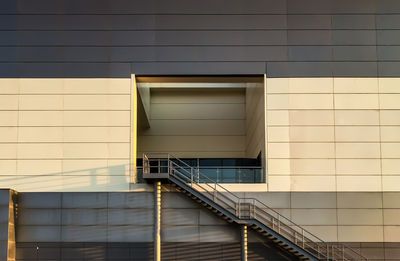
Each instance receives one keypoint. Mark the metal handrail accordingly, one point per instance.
(250, 208)
(227, 167)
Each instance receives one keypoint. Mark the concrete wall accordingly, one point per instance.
(119, 226)
(303, 38)
(340, 216)
(292, 38)
(324, 134)
(65, 134)
(333, 134)
(87, 225)
(255, 120)
(143, 106)
(196, 122)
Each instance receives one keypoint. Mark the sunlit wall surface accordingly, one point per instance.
(331, 111)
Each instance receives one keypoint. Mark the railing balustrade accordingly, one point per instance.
(247, 208)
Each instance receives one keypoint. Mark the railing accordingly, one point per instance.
(237, 175)
(222, 174)
(247, 208)
(227, 174)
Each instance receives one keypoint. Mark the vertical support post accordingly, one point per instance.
(243, 231)
(9, 211)
(157, 221)
(343, 252)
(279, 224)
(327, 252)
(191, 176)
(168, 165)
(238, 208)
(254, 210)
(215, 192)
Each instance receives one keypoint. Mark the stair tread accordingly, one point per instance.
(246, 210)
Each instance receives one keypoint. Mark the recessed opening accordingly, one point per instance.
(215, 124)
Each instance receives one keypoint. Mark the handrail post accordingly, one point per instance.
(237, 210)
(215, 192)
(143, 165)
(343, 252)
(243, 207)
(191, 176)
(279, 224)
(240, 208)
(327, 252)
(168, 164)
(254, 209)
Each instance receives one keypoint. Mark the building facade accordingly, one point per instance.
(294, 103)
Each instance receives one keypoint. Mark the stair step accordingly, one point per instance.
(245, 208)
(255, 227)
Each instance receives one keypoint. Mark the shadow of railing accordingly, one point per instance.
(114, 177)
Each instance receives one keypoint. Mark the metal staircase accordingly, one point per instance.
(245, 211)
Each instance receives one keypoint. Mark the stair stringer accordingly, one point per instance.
(248, 222)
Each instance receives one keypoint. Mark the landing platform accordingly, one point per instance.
(150, 178)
